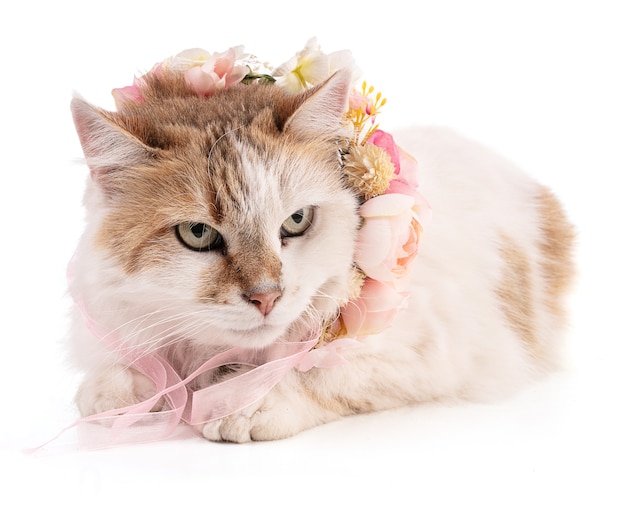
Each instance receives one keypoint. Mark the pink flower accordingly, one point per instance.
(405, 182)
(385, 141)
(130, 93)
(360, 102)
(373, 311)
(219, 71)
(388, 240)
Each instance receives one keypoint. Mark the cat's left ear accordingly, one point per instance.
(320, 113)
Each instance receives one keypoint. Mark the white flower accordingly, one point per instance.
(188, 58)
(310, 67)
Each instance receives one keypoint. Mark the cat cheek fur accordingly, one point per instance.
(198, 295)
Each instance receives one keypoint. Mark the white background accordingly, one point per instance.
(542, 82)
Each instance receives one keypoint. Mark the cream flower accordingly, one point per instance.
(189, 58)
(369, 170)
(310, 67)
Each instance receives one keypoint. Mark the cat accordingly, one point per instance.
(225, 221)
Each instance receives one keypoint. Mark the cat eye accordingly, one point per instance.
(297, 223)
(199, 237)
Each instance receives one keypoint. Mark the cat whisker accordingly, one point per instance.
(178, 325)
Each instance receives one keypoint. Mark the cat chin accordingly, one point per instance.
(253, 338)
(260, 336)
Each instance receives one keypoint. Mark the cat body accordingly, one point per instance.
(262, 169)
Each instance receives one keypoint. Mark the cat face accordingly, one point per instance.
(221, 226)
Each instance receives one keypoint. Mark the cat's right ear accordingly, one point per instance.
(320, 109)
(107, 146)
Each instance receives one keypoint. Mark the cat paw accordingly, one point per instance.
(117, 387)
(272, 418)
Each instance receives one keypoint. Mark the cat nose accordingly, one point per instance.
(264, 298)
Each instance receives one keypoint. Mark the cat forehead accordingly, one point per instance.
(213, 157)
(259, 180)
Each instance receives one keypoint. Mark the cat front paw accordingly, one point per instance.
(272, 418)
(116, 387)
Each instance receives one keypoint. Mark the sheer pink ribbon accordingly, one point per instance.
(137, 423)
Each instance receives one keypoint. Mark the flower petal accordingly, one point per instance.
(353, 315)
(126, 94)
(380, 297)
(373, 311)
(314, 67)
(385, 141)
(188, 58)
(340, 59)
(374, 243)
(408, 167)
(237, 74)
(202, 82)
(286, 67)
(389, 204)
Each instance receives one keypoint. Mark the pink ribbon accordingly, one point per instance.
(137, 423)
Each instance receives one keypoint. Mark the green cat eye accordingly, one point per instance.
(297, 223)
(199, 236)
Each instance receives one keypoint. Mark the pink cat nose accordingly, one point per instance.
(264, 301)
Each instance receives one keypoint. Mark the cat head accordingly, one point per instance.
(225, 219)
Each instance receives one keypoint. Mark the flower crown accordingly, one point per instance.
(382, 174)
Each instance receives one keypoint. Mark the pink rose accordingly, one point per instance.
(217, 73)
(388, 240)
(373, 311)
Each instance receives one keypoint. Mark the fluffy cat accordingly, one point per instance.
(271, 256)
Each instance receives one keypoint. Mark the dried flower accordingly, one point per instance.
(369, 170)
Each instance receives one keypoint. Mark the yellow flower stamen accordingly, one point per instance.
(298, 73)
(364, 115)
